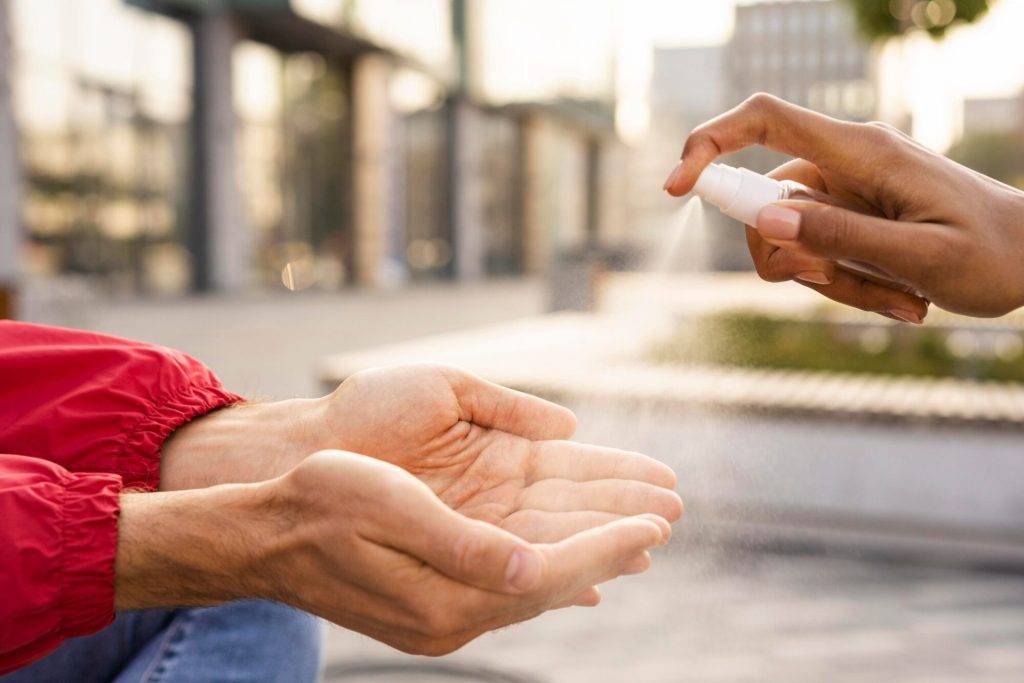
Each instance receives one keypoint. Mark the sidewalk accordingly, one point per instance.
(706, 615)
(267, 346)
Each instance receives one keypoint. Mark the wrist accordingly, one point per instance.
(192, 548)
(243, 444)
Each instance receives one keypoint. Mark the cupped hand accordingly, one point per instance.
(366, 545)
(950, 234)
(494, 454)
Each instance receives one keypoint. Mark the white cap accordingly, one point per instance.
(738, 192)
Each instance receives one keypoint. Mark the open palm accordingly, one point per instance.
(495, 454)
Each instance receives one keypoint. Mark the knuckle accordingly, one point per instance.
(762, 269)
(774, 268)
(438, 623)
(442, 368)
(698, 139)
(436, 647)
(353, 381)
(761, 102)
(880, 127)
(890, 131)
(885, 142)
(877, 133)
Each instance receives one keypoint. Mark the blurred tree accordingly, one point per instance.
(879, 19)
(999, 155)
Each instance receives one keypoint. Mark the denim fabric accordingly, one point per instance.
(250, 640)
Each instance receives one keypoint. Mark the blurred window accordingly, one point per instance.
(416, 28)
(428, 248)
(854, 59)
(812, 61)
(293, 165)
(103, 96)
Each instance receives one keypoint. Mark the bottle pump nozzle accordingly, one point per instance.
(738, 192)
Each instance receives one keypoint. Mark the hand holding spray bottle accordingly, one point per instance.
(741, 194)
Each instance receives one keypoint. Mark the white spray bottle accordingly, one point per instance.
(741, 194)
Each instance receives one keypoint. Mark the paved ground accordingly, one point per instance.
(717, 615)
(702, 614)
(268, 346)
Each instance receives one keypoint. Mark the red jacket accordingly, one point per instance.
(82, 416)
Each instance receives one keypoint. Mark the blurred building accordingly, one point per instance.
(688, 86)
(807, 52)
(221, 144)
(994, 115)
(991, 138)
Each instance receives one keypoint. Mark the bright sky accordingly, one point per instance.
(539, 44)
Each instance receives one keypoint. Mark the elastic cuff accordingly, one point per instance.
(140, 462)
(89, 547)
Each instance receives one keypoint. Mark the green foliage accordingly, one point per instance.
(753, 340)
(879, 19)
(997, 155)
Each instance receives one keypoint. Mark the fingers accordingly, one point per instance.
(591, 597)
(497, 407)
(469, 551)
(773, 123)
(541, 526)
(774, 264)
(453, 615)
(598, 555)
(906, 250)
(854, 290)
(803, 172)
(638, 565)
(779, 265)
(583, 462)
(618, 496)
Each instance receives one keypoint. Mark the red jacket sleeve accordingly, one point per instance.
(58, 539)
(95, 403)
(93, 412)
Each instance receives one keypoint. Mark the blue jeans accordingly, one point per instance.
(250, 640)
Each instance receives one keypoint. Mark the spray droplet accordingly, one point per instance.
(686, 230)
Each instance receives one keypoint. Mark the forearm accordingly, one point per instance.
(241, 444)
(193, 548)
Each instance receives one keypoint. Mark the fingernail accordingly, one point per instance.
(814, 276)
(778, 222)
(673, 176)
(523, 570)
(905, 316)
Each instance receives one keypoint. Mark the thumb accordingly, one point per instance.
(468, 550)
(900, 248)
(497, 407)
